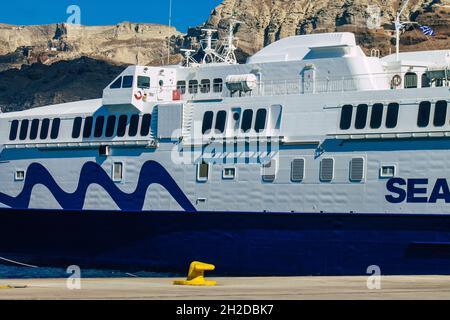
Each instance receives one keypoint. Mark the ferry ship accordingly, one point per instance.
(312, 158)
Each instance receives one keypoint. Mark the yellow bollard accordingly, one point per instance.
(196, 275)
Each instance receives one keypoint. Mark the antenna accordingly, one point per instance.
(188, 56)
(210, 52)
(230, 48)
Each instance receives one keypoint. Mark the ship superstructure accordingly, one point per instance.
(310, 151)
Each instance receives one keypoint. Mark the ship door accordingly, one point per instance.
(309, 79)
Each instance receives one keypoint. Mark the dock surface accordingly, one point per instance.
(289, 288)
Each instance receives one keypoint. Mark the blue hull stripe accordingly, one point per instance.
(92, 173)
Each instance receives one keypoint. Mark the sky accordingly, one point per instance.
(185, 13)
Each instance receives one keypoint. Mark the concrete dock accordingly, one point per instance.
(298, 288)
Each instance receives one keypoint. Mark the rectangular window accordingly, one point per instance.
(247, 120)
(146, 124)
(361, 116)
(24, 129)
(376, 118)
(117, 171)
(440, 113)
(205, 86)
(327, 170)
(217, 85)
(229, 173)
(44, 129)
(19, 175)
(76, 129)
(202, 172)
(122, 128)
(143, 82)
(193, 86)
(99, 125)
(269, 171)
(388, 171)
(134, 124)
(392, 115)
(346, 117)
(298, 170)
(116, 84)
(261, 119)
(423, 116)
(87, 130)
(34, 129)
(221, 120)
(110, 126)
(357, 169)
(127, 82)
(56, 123)
(207, 122)
(181, 87)
(13, 130)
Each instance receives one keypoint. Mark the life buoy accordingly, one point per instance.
(396, 81)
(138, 95)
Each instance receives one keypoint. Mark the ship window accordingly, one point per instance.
(205, 86)
(388, 171)
(229, 174)
(269, 171)
(221, 121)
(99, 124)
(392, 115)
(127, 82)
(327, 170)
(410, 80)
(134, 124)
(193, 86)
(247, 118)
(116, 84)
(110, 126)
(56, 123)
(13, 130)
(181, 87)
(44, 129)
(34, 129)
(217, 85)
(117, 171)
(87, 131)
(426, 82)
(376, 117)
(298, 170)
(440, 113)
(146, 124)
(19, 175)
(76, 130)
(260, 122)
(24, 129)
(357, 169)
(202, 172)
(361, 116)
(423, 117)
(346, 117)
(207, 122)
(122, 127)
(143, 82)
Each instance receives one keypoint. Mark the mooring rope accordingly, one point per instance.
(18, 263)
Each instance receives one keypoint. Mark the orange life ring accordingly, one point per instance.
(138, 95)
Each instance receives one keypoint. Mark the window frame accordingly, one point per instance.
(345, 123)
(207, 123)
(199, 169)
(392, 108)
(76, 127)
(257, 126)
(321, 173)
(122, 172)
(362, 112)
(293, 179)
(247, 120)
(423, 114)
(139, 86)
(13, 130)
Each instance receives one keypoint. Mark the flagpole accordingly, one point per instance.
(398, 27)
(170, 26)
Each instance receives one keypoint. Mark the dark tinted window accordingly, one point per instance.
(76, 130)
(127, 82)
(377, 116)
(205, 86)
(122, 127)
(44, 129)
(392, 115)
(426, 83)
(346, 117)
(87, 131)
(361, 116)
(99, 124)
(181, 86)
(13, 130)
(146, 124)
(116, 84)
(247, 118)
(134, 124)
(221, 121)
(423, 116)
(217, 85)
(440, 113)
(56, 123)
(34, 129)
(193, 86)
(260, 122)
(24, 129)
(110, 126)
(207, 121)
(143, 82)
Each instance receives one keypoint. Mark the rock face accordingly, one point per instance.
(265, 21)
(125, 43)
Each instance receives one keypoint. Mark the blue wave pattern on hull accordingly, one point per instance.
(92, 173)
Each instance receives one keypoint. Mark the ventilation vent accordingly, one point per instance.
(269, 171)
(298, 170)
(357, 169)
(327, 170)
